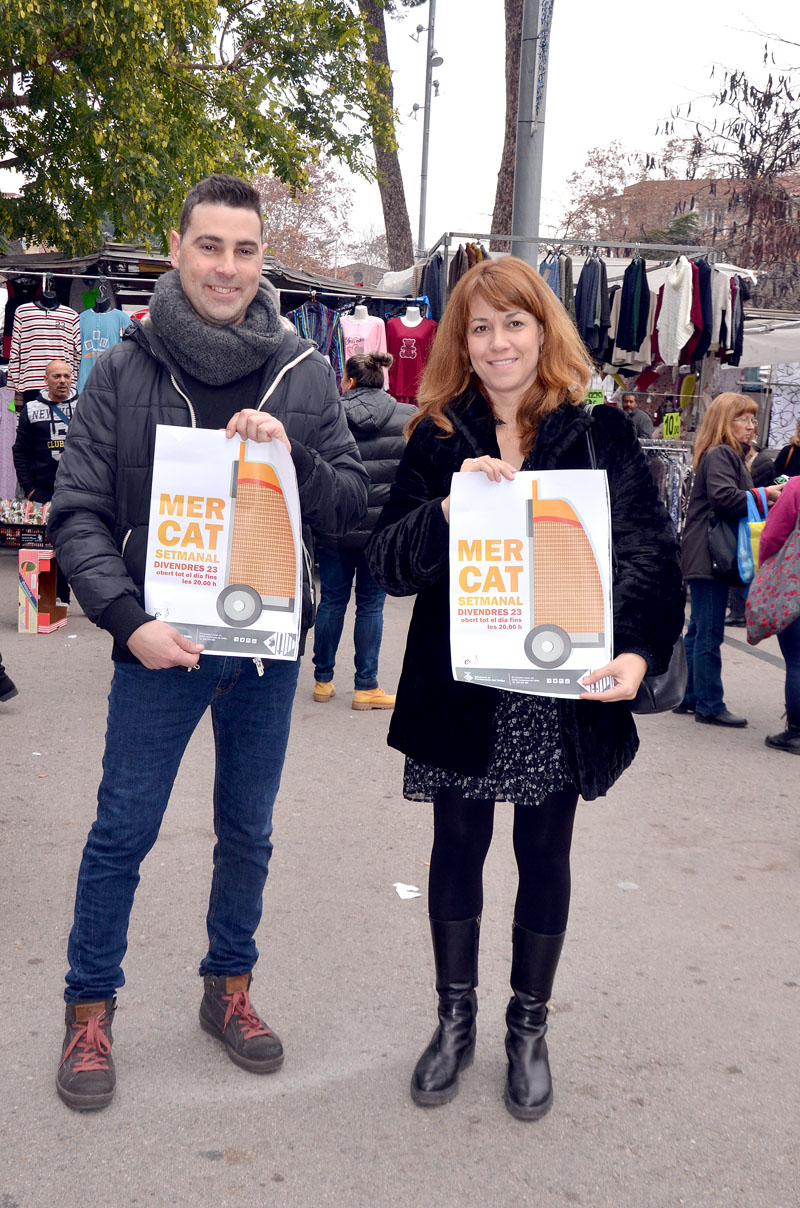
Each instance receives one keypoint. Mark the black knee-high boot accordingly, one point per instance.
(529, 1089)
(455, 952)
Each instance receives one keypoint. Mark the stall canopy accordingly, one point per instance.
(771, 338)
(134, 271)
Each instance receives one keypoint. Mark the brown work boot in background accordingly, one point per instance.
(86, 1080)
(226, 1013)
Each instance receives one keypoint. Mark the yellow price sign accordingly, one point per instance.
(672, 425)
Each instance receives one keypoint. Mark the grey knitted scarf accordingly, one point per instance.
(215, 355)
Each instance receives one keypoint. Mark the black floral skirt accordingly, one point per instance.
(527, 764)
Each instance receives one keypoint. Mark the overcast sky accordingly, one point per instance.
(615, 71)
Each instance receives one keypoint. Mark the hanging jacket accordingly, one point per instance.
(448, 723)
(101, 508)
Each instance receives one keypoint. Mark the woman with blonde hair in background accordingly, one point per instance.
(721, 485)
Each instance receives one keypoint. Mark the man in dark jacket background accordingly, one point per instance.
(212, 353)
(41, 430)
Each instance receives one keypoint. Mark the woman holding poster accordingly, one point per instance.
(502, 392)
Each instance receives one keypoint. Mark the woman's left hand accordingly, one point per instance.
(627, 671)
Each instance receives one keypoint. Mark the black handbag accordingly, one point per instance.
(660, 693)
(723, 549)
(657, 693)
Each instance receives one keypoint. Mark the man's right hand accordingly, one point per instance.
(158, 646)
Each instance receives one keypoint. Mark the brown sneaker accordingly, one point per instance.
(372, 698)
(86, 1080)
(226, 1013)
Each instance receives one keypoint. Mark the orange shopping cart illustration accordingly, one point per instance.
(567, 600)
(262, 559)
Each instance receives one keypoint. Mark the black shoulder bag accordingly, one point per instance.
(657, 693)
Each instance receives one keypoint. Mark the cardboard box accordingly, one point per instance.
(38, 611)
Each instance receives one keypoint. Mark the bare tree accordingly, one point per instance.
(303, 229)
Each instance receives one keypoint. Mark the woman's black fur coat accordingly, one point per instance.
(443, 722)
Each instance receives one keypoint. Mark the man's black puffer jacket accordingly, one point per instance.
(100, 511)
(377, 422)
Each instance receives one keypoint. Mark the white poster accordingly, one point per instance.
(224, 550)
(530, 580)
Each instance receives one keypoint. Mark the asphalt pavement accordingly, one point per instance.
(675, 1028)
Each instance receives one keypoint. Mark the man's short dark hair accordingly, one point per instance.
(221, 190)
(631, 394)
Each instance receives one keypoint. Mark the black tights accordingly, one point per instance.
(462, 832)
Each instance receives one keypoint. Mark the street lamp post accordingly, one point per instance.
(431, 60)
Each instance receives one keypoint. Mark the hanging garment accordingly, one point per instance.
(99, 330)
(566, 284)
(322, 325)
(592, 306)
(410, 347)
(432, 285)
(688, 352)
(458, 266)
(706, 309)
(20, 290)
(549, 269)
(632, 327)
(39, 336)
(363, 335)
(674, 324)
(85, 291)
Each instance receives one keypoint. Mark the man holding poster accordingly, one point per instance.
(214, 354)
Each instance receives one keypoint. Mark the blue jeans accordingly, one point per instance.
(789, 642)
(336, 572)
(151, 717)
(703, 643)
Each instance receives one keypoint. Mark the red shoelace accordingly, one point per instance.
(92, 1043)
(239, 1005)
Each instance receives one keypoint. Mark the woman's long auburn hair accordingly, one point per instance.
(564, 368)
(716, 426)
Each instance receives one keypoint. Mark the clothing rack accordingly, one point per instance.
(671, 465)
(629, 246)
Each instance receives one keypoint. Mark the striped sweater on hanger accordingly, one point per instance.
(38, 336)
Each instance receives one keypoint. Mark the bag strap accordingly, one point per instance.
(60, 414)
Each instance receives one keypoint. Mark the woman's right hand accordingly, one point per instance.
(494, 468)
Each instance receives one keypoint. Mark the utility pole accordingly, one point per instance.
(537, 16)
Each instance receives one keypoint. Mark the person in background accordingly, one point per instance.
(8, 689)
(779, 527)
(642, 423)
(41, 431)
(788, 460)
(762, 472)
(721, 484)
(502, 392)
(376, 421)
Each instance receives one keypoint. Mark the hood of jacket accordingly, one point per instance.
(368, 409)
